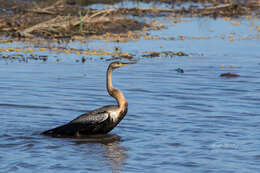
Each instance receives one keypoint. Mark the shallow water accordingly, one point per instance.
(177, 122)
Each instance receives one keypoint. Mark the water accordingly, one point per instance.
(194, 121)
(130, 4)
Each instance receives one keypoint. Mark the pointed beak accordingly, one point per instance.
(127, 63)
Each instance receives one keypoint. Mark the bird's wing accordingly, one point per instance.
(85, 123)
(92, 117)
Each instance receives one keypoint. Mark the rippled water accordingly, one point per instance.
(177, 122)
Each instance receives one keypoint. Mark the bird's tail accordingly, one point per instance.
(55, 131)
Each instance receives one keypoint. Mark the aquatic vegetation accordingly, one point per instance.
(150, 54)
(23, 58)
(229, 66)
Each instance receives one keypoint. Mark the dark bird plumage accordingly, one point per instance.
(99, 121)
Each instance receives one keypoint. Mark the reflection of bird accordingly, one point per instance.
(114, 153)
(98, 121)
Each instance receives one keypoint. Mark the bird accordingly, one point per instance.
(98, 121)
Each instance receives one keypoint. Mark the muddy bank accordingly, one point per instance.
(60, 19)
(68, 18)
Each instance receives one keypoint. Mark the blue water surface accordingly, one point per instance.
(194, 121)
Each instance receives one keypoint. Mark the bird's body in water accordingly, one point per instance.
(99, 121)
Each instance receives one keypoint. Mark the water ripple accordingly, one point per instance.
(190, 122)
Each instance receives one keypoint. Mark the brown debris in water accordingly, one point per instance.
(23, 58)
(150, 54)
(229, 75)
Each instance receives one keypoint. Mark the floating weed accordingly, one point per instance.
(180, 54)
(79, 38)
(229, 66)
(67, 51)
(230, 38)
(23, 58)
(10, 49)
(237, 23)
(227, 19)
(85, 52)
(258, 28)
(150, 54)
(202, 37)
(77, 52)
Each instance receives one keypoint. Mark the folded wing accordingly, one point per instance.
(89, 123)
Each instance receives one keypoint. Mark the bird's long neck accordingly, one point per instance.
(117, 94)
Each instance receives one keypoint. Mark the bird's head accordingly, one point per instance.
(117, 64)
